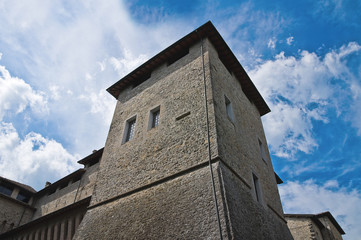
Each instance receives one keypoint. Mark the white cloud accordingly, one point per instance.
(308, 197)
(72, 52)
(127, 63)
(289, 40)
(102, 104)
(250, 30)
(16, 95)
(34, 159)
(300, 90)
(271, 43)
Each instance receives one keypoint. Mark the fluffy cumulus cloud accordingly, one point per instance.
(301, 90)
(32, 159)
(75, 52)
(309, 197)
(16, 95)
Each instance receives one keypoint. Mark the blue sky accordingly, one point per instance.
(58, 57)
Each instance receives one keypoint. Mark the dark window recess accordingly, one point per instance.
(257, 188)
(93, 162)
(261, 148)
(51, 191)
(175, 57)
(141, 79)
(63, 185)
(76, 178)
(130, 130)
(7, 190)
(229, 108)
(154, 117)
(24, 197)
(224, 63)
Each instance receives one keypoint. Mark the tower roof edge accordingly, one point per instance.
(207, 30)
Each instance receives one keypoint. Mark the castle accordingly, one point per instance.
(185, 158)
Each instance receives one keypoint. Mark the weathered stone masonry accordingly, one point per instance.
(158, 185)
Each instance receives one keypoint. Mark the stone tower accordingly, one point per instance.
(186, 131)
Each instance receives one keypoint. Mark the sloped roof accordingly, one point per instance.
(95, 156)
(20, 185)
(224, 52)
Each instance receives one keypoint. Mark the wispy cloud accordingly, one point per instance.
(308, 197)
(338, 11)
(272, 43)
(251, 31)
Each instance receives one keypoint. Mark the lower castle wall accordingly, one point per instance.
(248, 219)
(182, 208)
(74, 192)
(13, 214)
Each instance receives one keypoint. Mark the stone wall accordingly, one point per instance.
(13, 213)
(238, 139)
(330, 229)
(304, 228)
(178, 143)
(75, 191)
(59, 225)
(310, 226)
(246, 218)
(181, 208)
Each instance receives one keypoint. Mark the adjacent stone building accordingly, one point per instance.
(185, 158)
(322, 226)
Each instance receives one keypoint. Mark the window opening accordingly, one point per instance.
(130, 130)
(229, 109)
(257, 188)
(261, 147)
(24, 197)
(154, 118)
(6, 190)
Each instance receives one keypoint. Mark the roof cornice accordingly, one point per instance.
(224, 52)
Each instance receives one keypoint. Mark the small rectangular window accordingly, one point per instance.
(229, 108)
(24, 197)
(154, 117)
(261, 148)
(257, 188)
(130, 129)
(7, 190)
